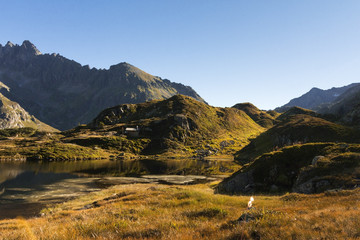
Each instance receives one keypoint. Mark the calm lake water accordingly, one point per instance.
(27, 187)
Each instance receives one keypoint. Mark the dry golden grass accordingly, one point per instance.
(146, 211)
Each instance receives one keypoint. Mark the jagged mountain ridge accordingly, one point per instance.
(316, 98)
(63, 93)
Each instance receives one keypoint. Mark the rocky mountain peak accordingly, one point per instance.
(31, 48)
(121, 66)
(24, 52)
(9, 44)
(6, 49)
(315, 89)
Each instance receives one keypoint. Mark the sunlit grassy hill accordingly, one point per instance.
(301, 153)
(179, 123)
(179, 126)
(297, 126)
(265, 119)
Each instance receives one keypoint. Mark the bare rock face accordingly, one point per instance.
(30, 48)
(12, 115)
(182, 121)
(314, 185)
(63, 93)
(242, 182)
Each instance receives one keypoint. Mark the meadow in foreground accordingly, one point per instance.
(145, 211)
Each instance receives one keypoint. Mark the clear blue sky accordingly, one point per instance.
(230, 51)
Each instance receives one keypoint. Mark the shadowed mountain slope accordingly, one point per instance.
(12, 115)
(63, 93)
(346, 108)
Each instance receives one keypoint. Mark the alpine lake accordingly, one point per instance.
(28, 187)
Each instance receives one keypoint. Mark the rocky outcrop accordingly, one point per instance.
(314, 185)
(307, 168)
(240, 182)
(12, 115)
(63, 93)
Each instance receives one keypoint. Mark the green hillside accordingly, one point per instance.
(265, 119)
(177, 127)
(294, 127)
(179, 124)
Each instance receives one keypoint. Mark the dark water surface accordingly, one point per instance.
(27, 187)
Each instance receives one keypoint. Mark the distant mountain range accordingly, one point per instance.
(343, 103)
(317, 98)
(346, 107)
(63, 93)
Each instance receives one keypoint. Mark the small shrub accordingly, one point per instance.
(207, 213)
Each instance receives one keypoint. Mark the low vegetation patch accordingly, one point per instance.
(207, 213)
